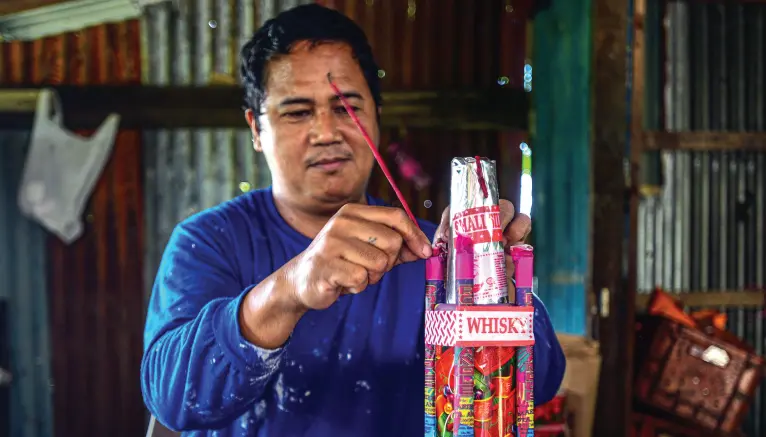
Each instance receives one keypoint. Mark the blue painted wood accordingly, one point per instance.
(562, 66)
(23, 276)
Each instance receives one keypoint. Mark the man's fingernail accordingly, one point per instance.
(427, 251)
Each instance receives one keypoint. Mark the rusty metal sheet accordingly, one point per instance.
(94, 285)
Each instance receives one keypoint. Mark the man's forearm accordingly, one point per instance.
(270, 312)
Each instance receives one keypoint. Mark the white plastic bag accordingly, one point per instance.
(62, 168)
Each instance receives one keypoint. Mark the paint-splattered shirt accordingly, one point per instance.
(355, 369)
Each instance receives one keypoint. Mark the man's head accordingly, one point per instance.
(317, 157)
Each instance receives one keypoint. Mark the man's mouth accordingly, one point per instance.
(330, 164)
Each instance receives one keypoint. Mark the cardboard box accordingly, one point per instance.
(581, 381)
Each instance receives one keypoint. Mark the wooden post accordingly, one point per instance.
(613, 324)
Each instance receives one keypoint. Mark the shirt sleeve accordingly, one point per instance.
(198, 372)
(549, 360)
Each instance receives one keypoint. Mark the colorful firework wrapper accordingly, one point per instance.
(463, 365)
(523, 256)
(475, 213)
(435, 268)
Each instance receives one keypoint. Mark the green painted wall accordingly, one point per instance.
(561, 95)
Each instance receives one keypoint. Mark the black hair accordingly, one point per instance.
(313, 23)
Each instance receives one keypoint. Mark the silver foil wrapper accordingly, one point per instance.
(477, 216)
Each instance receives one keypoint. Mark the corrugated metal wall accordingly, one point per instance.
(94, 285)
(704, 230)
(97, 306)
(189, 170)
(192, 169)
(23, 285)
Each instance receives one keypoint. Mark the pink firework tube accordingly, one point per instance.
(523, 258)
(435, 267)
(463, 363)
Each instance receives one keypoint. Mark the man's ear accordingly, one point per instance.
(251, 121)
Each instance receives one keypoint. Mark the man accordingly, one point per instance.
(298, 310)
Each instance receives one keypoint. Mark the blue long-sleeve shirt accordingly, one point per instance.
(355, 369)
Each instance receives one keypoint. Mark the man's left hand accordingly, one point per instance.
(516, 228)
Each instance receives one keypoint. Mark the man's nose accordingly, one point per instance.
(325, 128)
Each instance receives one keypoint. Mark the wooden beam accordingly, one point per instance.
(705, 141)
(714, 299)
(145, 107)
(13, 6)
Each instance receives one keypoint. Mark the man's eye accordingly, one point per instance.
(342, 109)
(294, 115)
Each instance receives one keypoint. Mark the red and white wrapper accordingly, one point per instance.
(475, 212)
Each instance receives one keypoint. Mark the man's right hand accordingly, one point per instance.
(356, 247)
(353, 250)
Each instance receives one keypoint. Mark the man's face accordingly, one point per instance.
(316, 154)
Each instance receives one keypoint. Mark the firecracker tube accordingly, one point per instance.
(523, 259)
(435, 267)
(463, 364)
(475, 213)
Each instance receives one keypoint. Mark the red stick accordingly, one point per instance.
(374, 149)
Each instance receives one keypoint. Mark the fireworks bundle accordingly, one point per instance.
(479, 360)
